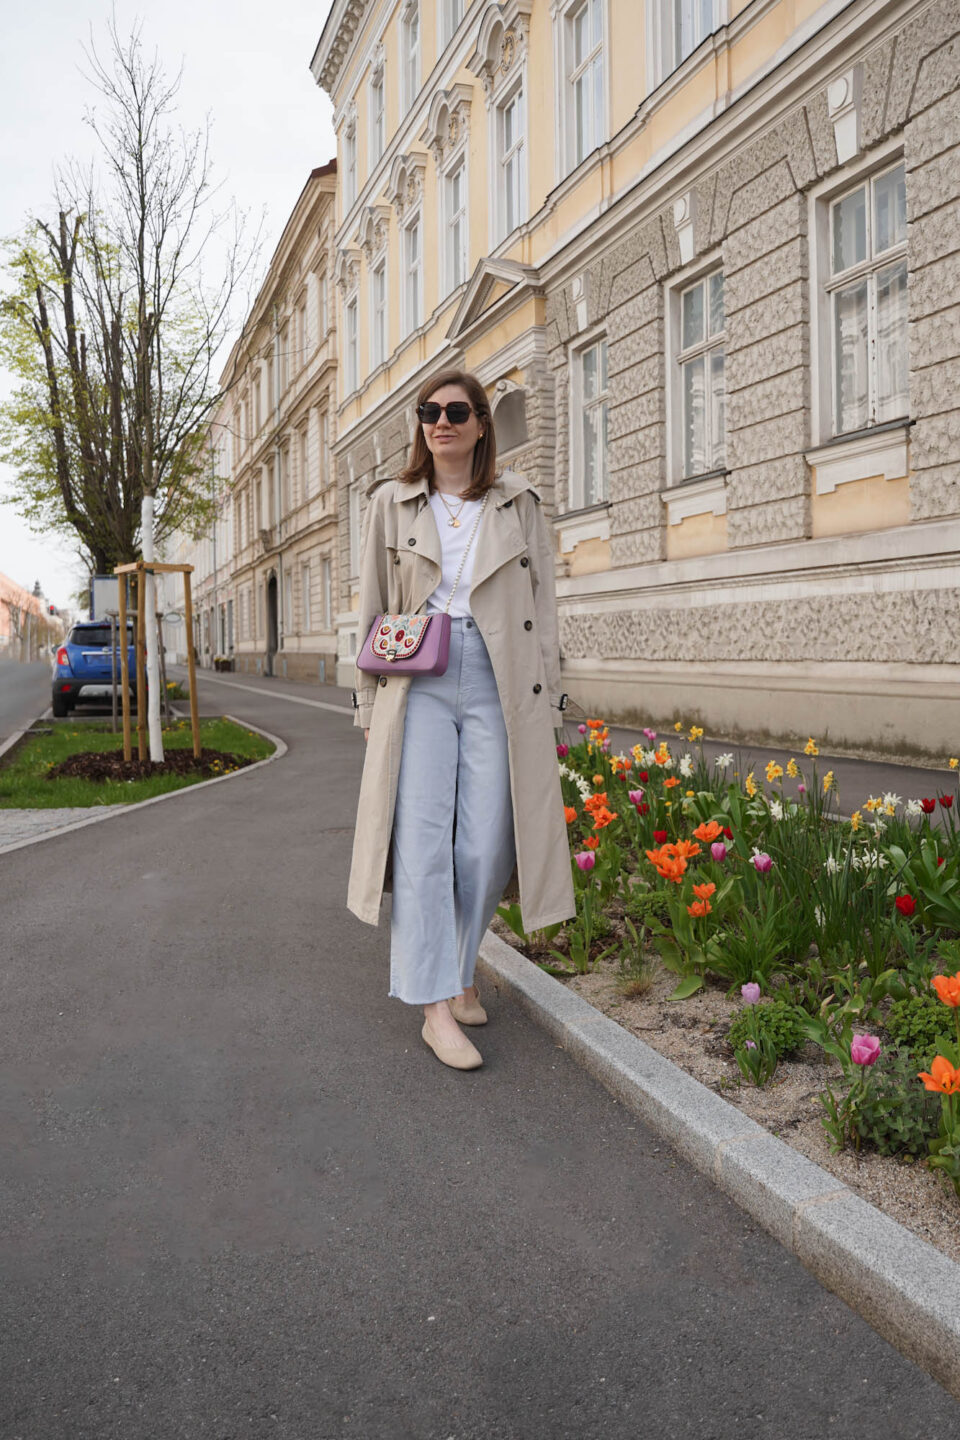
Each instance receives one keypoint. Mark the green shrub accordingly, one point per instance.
(895, 1114)
(918, 1025)
(780, 1022)
(644, 906)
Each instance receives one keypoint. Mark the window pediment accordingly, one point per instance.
(404, 188)
(373, 230)
(501, 43)
(346, 272)
(493, 281)
(448, 122)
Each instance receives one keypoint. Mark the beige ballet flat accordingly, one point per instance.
(468, 1012)
(458, 1057)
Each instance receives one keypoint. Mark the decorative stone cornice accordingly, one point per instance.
(405, 185)
(336, 42)
(501, 43)
(448, 122)
(346, 272)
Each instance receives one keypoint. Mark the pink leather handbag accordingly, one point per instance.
(413, 644)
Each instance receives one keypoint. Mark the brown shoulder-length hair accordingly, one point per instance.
(420, 463)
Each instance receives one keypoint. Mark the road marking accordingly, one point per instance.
(277, 695)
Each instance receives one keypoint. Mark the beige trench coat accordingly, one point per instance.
(513, 599)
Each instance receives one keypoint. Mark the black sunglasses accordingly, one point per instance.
(458, 412)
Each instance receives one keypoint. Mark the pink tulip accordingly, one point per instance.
(634, 796)
(751, 1044)
(864, 1049)
(582, 729)
(801, 789)
(762, 862)
(585, 859)
(719, 851)
(563, 751)
(651, 735)
(750, 992)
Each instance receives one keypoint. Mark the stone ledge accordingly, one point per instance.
(907, 1290)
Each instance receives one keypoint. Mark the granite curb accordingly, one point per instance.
(107, 812)
(906, 1289)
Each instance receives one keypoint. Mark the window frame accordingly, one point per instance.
(305, 597)
(351, 343)
(379, 346)
(678, 355)
(576, 496)
(377, 115)
(568, 159)
(412, 313)
(663, 59)
(458, 165)
(410, 66)
(511, 94)
(447, 25)
(864, 173)
(349, 164)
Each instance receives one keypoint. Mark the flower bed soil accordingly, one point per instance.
(692, 1033)
(110, 765)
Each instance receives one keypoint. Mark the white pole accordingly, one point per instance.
(154, 728)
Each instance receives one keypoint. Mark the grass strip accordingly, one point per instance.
(24, 782)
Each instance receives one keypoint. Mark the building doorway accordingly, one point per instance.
(272, 622)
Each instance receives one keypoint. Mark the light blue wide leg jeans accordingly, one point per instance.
(453, 840)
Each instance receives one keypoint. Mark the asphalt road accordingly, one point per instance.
(240, 1198)
(24, 694)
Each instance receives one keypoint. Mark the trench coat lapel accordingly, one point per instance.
(499, 538)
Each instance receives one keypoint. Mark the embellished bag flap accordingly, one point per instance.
(399, 636)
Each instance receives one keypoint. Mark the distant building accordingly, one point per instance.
(28, 624)
(265, 578)
(705, 257)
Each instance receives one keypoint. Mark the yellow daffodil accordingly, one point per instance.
(679, 726)
(811, 747)
(690, 793)
(855, 820)
(954, 762)
(873, 802)
(774, 771)
(793, 769)
(695, 732)
(828, 782)
(750, 785)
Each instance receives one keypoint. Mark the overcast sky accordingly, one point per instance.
(246, 64)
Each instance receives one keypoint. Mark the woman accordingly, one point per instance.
(460, 773)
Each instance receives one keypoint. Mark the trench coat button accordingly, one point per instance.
(507, 504)
(537, 688)
(396, 559)
(528, 624)
(383, 680)
(411, 541)
(524, 560)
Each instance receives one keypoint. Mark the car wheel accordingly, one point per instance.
(60, 707)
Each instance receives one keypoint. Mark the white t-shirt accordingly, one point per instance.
(453, 541)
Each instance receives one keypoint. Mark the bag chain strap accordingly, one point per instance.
(463, 557)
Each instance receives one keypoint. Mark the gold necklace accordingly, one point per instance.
(454, 514)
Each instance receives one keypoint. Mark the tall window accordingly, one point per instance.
(350, 344)
(456, 208)
(349, 164)
(700, 377)
(378, 314)
(586, 78)
(283, 358)
(377, 121)
(588, 483)
(867, 295)
(322, 305)
(305, 596)
(304, 464)
(678, 28)
(512, 178)
(324, 456)
(410, 44)
(451, 12)
(302, 339)
(412, 275)
(327, 591)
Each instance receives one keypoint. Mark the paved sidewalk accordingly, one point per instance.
(241, 1198)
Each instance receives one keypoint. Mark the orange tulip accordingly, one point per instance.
(708, 831)
(591, 842)
(944, 1079)
(598, 779)
(596, 802)
(703, 892)
(602, 818)
(670, 781)
(948, 988)
(699, 907)
(687, 849)
(569, 814)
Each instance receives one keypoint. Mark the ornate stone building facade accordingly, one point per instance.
(265, 581)
(713, 295)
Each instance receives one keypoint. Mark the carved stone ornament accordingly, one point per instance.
(501, 43)
(448, 122)
(347, 271)
(843, 107)
(373, 230)
(684, 218)
(405, 185)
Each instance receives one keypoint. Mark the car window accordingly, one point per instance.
(95, 637)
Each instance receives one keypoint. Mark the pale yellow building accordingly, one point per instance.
(266, 574)
(704, 255)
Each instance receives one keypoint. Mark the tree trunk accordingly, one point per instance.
(154, 728)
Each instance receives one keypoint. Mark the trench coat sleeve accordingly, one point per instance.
(372, 597)
(543, 568)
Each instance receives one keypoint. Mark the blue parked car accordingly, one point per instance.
(83, 663)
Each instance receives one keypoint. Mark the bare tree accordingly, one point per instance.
(112, 323)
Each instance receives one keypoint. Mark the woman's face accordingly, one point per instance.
(452, 442)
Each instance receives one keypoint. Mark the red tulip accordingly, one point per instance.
(905, 904)
(644, 776)
(928, 806)
(946, 801)
(728, 832)
(660, 836)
